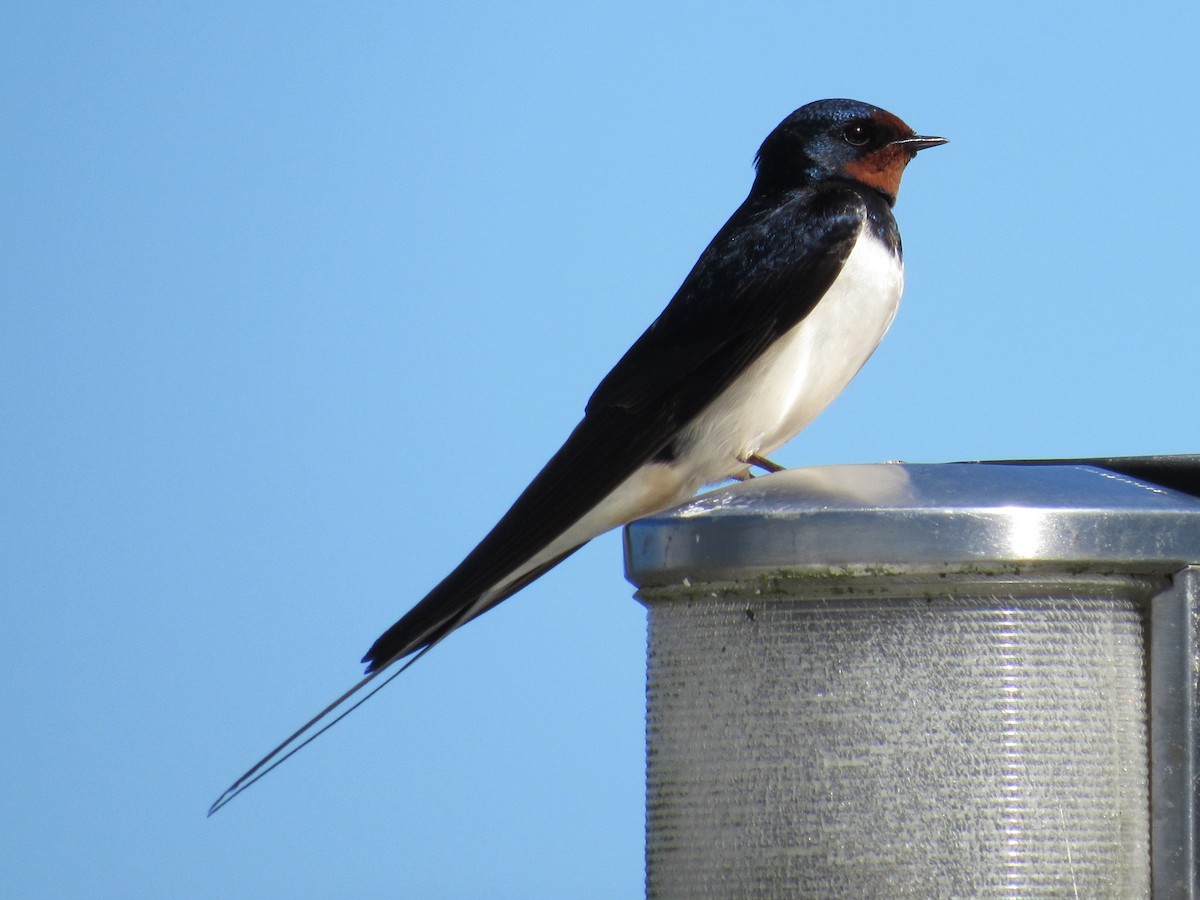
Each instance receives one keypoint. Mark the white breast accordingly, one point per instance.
(801, 373)
(770, 402)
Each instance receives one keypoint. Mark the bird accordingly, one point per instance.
(778, 314)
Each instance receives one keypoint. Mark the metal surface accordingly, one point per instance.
(1180, 472)
(988, 743)
(923, 680)
(1175, 766)
(916, 516)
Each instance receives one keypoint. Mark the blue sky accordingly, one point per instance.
(294, 300)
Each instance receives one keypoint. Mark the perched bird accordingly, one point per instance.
(778, 314)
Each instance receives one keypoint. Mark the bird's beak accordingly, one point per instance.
(919, 142)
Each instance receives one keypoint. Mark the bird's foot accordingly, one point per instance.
(742, 474)
(761, 462)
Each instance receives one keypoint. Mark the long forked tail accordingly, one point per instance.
(547, 521)
(337, 710)
(417, 643)
(313, 729)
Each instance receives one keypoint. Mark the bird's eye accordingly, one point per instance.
(856, 135)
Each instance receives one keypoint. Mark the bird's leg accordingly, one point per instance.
(742, 474)
(762, 462)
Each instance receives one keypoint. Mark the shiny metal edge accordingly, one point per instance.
(1174, 754)
(896, 515)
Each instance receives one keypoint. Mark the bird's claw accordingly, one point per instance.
(760, 462)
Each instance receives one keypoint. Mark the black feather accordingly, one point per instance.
(760, 276)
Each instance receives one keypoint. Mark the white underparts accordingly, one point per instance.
(801, 373)
(777, 396)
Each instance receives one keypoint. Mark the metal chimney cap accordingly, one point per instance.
(896, 516)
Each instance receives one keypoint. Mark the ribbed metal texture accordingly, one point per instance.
(983, 739)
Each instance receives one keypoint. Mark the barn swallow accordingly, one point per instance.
(779, 313)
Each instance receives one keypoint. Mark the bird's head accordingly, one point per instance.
(842, 139)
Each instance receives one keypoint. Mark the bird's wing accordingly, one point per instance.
(757, 279)
(763, 272)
